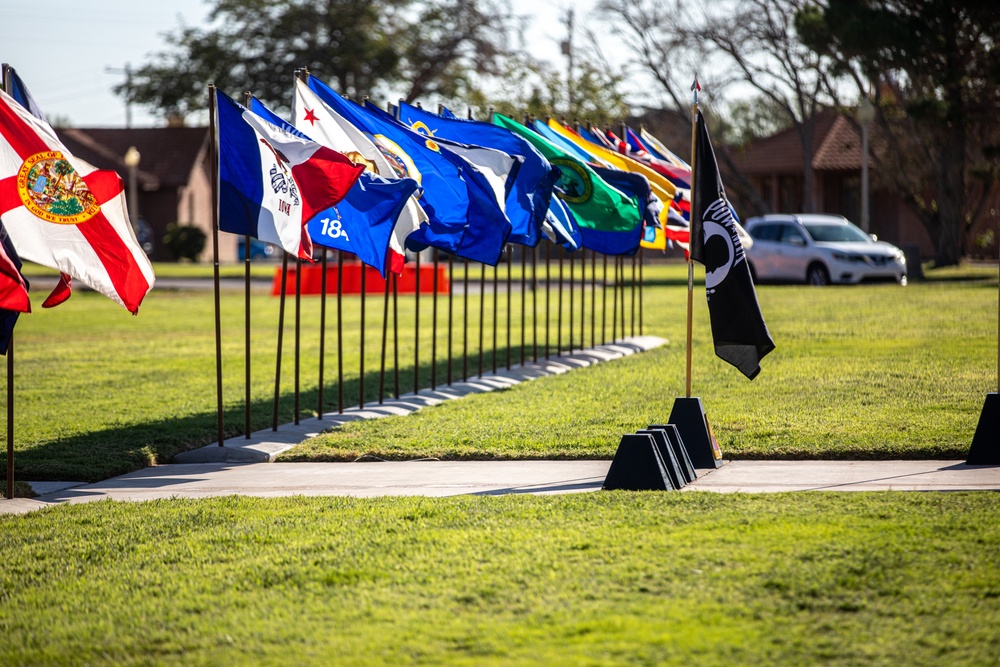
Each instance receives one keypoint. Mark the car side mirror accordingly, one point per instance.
(874, 237)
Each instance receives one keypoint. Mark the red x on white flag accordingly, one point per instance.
(64, 213)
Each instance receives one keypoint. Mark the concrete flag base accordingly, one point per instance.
(985, 449)
(637, 466)
(688, 415)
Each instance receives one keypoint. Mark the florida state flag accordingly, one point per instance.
(64, 213)
(738, 328)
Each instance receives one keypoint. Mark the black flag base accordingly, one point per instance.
(985, 449)
(688, 415)
(637, 466)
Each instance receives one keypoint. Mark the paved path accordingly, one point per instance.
(449, 478)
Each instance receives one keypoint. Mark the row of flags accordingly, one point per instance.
(463, 186)
(353, 177)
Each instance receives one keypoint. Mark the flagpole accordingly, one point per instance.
(534, 303)
(593, 296)
(361, 362)
(632, 302)
(510, 264)
(614, 304)
(246, 320)
(572, 270)
(340, 331)
(642, 291)
(416, 330)
(496, 270)
(10, 360)
(548, 289)
(10, 417)
(451, 313)
(434, 321)
(482, 312)
(246, 335)
(213, 130)
(465, 320)
(281, 334)
(395, 333)
(604, 302)
(583, 298)
(559, 309)
(694, 211)
(322, 332)
(298, 325)
(385, 342)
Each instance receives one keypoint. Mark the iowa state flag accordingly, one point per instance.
(272, 182)
(738, 328)
(63, 213)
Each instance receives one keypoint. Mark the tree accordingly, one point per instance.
(937, 73)
(358, 46)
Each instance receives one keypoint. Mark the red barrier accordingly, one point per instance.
(312, 280)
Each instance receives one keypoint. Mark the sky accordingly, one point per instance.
(70, 53)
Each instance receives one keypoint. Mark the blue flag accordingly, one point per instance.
(464, 216)
(363, 221)
(625, 243)
(560, 225)
(564, 144)
(272, 181)
(528, 201)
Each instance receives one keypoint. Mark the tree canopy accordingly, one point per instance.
(374, 47)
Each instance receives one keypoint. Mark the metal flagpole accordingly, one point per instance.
(559, 309)
(451, 318)
(246, 336)
(614, 306)
(583, 298)
(593, 296)
(281, 333)
(496, 269)
(482, 313)
(510, 263)
(642, 290)
(465, 321)
(632, 286)
(534, 303)
(213, 131)
(416, 329)
(548, 289)
(385, 342)
(395, 333)
(361, 377)
(694, 211)
(10, 417)
(340, 331)
(604, 302)
(298, 326)
(621, 264)
(434, 321)
(524, 299)
(572, 270)
(10, 344)
(322, 332)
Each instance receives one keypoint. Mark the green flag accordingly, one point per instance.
(594, 203)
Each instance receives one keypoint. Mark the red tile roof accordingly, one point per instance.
(836, 146)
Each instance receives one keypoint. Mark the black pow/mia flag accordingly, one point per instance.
(738, 328)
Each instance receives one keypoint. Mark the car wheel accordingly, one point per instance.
(817, 275)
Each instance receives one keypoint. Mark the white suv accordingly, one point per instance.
(819, 249)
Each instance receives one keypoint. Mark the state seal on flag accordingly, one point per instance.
(573, 181)
(50, 188)
(397, 158)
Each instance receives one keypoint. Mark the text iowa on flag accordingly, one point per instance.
(63, 213)
(272, 182)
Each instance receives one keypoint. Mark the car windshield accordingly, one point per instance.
(837, 233)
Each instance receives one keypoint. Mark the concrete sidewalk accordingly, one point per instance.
(448, 478)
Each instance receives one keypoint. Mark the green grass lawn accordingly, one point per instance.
(592, 579)
(867, 372)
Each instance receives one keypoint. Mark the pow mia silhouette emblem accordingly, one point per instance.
(723, 249)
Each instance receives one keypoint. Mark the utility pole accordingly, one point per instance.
(127, 71)
(567, 50)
